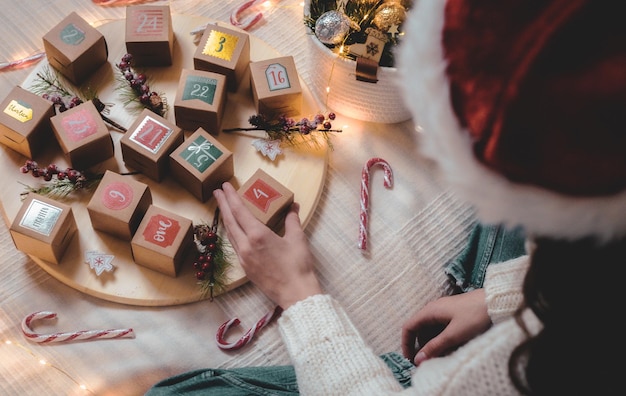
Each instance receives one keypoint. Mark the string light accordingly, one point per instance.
(45, 363)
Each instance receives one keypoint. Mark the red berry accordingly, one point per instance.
(200, 275)
(331, 116)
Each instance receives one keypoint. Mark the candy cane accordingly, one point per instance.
(246, 338)
(365, 185)
(22, 62)
(234, 16)
(69, 336)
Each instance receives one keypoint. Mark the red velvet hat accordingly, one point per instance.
(523, 104)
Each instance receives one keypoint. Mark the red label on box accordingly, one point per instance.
(117, 196)
(261, 195)
(79, 125)
(151, 134)
(161, 230)
(148, 22)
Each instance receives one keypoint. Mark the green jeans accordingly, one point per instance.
(248, 381)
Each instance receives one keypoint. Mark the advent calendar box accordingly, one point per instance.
(162, 241)
(118, 205)
(266, 198)
(149, 35)
(224, 51)
(200, 100)
(83, 136)
(276, 87)
(201, 164)
(75, 48)
(148, 142)
(43, 228)
(25, 122)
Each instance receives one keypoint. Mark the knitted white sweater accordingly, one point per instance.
(331, 358)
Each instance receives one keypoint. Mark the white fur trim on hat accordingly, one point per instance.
(541, 212)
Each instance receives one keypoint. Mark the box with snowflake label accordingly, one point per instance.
(201, 164)
(43, 227)
(267, 198)
(118, 205)
(162, 241)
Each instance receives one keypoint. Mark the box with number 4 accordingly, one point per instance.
(276, 87)
(266, 198)
(200, 100)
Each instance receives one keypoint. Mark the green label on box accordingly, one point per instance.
(72, 35)
(198, 87)
(201, 154)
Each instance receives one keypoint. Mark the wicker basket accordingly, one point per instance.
(373, 102)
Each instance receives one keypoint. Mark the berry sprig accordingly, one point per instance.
(63, 181)
(211, 262)
(137, 90)
(290, 131)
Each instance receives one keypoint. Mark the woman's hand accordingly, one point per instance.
(444, 325)
(282, 267)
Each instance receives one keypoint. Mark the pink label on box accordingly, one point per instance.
(79, 125)
(151, 134)
(117, 196)
(161, 230)
(261, 195)
(147, 22)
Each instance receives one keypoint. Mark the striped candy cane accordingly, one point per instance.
(234, 16)
(365, 185)
(68, 336)
(247, 337)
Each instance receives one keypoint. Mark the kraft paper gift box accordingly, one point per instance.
(267, 198)
(75, 48)
(224, 51)
(276, 87)
(162, 241)
(25, 122)
(43, 228)
(148, 142)
(149, 35)
(118, 205)
(201, 164)
(200, 100)
(83, 136)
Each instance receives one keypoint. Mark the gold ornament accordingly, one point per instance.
(389, 14)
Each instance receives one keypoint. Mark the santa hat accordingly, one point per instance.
(523, 105)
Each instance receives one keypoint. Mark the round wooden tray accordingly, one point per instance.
(302, 170)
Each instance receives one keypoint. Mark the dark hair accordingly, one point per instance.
(576, 290)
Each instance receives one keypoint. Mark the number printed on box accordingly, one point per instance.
(148, 22)
(151, 134)
(79, 125)
(202, 88)
(201, 154)
(277, 77)
(19, 110)
(117, 196)
(161, 230)
(261, 195)
(220, 45)
(40, 217)
(72, 35)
